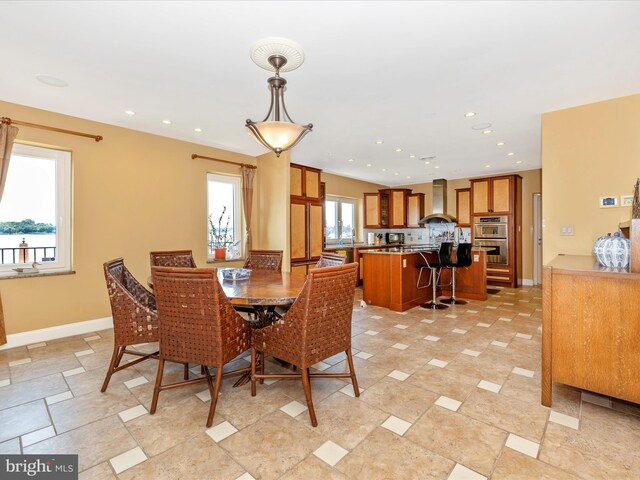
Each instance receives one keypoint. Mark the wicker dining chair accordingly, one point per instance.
(264, 260)
(172, 258)
(135, 319)
(331, 259)
(197, 325)
(317, 326)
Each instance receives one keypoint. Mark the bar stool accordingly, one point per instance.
(444, 260)
(463, 260)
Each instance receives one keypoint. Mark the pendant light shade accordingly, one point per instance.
(277, 131)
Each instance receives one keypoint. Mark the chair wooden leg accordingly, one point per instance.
(354, 380)
(253, 371)
(186, 371)
(156, 389)
(262, 359)
(202, 370)
(307, 393)
(115, 361)
(214, 397)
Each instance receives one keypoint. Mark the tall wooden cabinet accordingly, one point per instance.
(500, 197)
(415, 209)
(306, 216)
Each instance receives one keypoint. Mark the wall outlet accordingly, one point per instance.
(566, 229)
(476, 258)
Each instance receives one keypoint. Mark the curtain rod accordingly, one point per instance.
(248, 165)
(10, 121)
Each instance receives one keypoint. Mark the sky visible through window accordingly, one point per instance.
(30, 191)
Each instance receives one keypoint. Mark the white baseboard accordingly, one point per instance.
(60, 331)
(526, 282)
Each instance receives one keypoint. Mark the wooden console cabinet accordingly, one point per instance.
(590, 328)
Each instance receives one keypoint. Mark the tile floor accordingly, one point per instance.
(451, 394)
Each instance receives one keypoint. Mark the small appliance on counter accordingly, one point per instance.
(370, 238)
(377, 239)
(394, 238)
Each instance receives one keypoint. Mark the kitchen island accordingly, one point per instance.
(390, 277)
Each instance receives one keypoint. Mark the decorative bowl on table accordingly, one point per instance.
(234, 274)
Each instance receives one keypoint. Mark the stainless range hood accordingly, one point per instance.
(439, 204)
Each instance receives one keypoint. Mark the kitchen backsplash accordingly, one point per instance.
(434, 233)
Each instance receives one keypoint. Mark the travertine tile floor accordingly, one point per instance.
(447, 394)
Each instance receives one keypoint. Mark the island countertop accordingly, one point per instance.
(408, 250)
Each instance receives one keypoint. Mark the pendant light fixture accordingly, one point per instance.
(277, 131)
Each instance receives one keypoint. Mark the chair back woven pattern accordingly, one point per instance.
(463, 255)
(197, 322)
(174, 258)
(264, 260)
(318, 325)
(330, 259)
(133, 307)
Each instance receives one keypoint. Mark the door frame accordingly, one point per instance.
(537, 238)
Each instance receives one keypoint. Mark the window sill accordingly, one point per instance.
(226, 261)
(13, 275)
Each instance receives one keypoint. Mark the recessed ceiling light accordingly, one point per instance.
(408, 176)
(129, 112)
(436, 166)
(350, 160)
(166, 122)
(384, 169)
(487, 131)
(487, 166)
(481, 126)
(427, 162)
(396, 173)
(412, 156)
(379, 142)
(510, 154)
(197, 130)
(500, 144)
(51, 80)
(518, 161)
(368, 164)
(398, 149)
(470, 114)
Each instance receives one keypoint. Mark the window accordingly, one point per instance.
(35, 210)
(340, 219)
(224, 215)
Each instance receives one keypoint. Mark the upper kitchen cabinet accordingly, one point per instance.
(387, 208)
(372, 210)
(415, 209)
(463, 207)
(493, 195)
(305, 182)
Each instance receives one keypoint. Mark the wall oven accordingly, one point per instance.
(492, 233)
(491, 227)
(498, 249)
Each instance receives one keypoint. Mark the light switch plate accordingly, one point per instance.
(566, 230)
(404, 263)
(476, 257)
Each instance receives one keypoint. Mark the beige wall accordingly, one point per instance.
(531, 183)
(588, 152)
(350, 188)
(273, 182)
(133, 192)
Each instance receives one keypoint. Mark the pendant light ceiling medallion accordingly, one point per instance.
(277, 131)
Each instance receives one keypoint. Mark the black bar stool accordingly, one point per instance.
(444, 259)
(463, 260)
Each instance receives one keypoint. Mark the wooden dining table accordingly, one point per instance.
(263, 290)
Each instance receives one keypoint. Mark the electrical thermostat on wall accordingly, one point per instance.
(608, 202)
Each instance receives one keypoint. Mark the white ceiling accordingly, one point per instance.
(403, 72)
